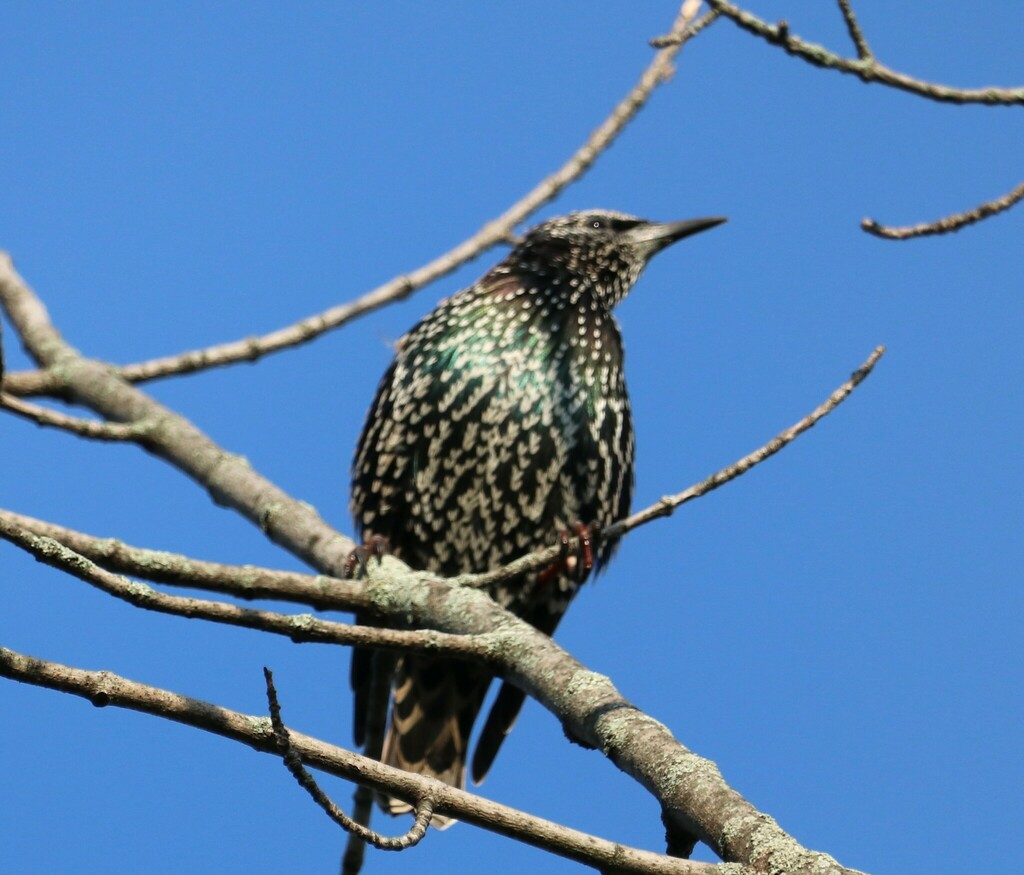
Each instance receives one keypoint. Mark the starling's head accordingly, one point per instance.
(600, 250)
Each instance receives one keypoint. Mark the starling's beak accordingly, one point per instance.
(658, 235)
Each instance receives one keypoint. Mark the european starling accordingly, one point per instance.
(502, 421)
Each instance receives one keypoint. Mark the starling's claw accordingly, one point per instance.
(578, 557)
(355, 564)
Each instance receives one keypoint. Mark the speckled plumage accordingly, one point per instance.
(503, 420)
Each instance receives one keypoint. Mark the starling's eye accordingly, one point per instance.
(597, 223)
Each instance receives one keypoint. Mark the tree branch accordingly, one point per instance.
(587, 702)
(229, 479)
(856, 34)
(495, 231)
(676, 38)
(866, 67)
(298, 627)
(319, 591)
(87, 428)
(948, 224)
(104, 688)
(325, 592)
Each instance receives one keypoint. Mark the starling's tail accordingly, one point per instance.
(436, 701)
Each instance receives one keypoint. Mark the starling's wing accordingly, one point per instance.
(370, 519)
(373, 489)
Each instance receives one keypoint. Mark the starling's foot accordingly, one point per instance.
(376, 545)
(578, 557)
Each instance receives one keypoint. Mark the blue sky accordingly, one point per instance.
(840, 630)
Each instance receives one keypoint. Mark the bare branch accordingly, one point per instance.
(103, 688)
(866, 67)
(423, 810)
(588, 703)
(241, 581)
(495, 231)
(229, 479)
(948, 224)
(297, 627)
(87, 428)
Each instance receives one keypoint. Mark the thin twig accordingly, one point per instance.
(948, 224)
(667, 505)
(676, 39)
(866, 68)
(87, 428)
(423, 810)
(856, 34)
(495, 231)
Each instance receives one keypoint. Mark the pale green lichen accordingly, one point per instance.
(682, 769)
(393, 589)
(303, 622)
(139, 591)
(740, 825)
(260, 725)
(460, 602)
(770, 845)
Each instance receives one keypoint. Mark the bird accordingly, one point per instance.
(502, 421)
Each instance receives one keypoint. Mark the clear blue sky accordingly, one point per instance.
(840, 630)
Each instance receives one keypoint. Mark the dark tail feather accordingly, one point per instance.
(359, 678)
(436, 701)
(499, 724)
(370, 671)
